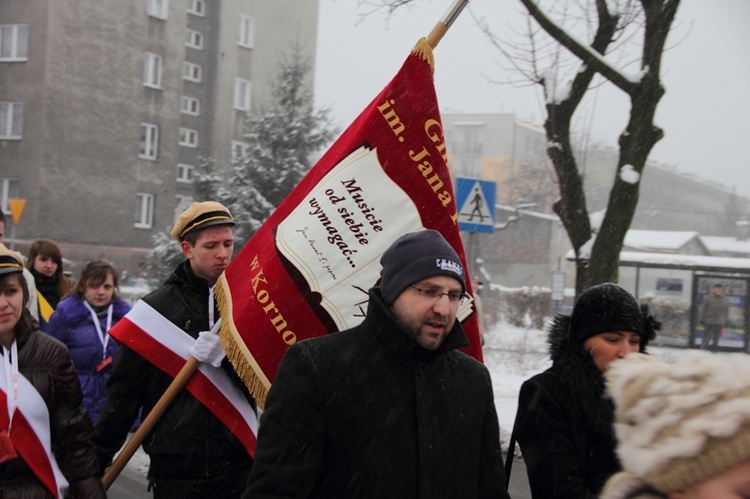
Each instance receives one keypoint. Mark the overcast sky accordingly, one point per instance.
(705, 112)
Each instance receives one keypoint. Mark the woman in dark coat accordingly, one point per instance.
(45, 435)
(82, 321)
(564, 421)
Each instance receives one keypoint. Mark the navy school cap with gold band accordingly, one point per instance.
(10, 261)
(199, 216)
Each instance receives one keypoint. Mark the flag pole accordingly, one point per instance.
(445, 22)
(178, 383)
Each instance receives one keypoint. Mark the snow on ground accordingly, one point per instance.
(513, 355)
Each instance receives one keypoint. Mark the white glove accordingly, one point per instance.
(207, 348)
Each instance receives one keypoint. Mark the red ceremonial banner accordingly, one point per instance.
(308, 269)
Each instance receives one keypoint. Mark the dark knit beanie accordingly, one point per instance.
(608, 307)
(416, 256)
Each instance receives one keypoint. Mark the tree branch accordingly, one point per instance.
(590, 58)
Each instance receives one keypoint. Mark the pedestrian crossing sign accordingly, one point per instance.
(476, 204)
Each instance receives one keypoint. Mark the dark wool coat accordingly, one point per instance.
(367, 413)
(564, 423)
(72, 324)
(47, 286)
(45, 362)
(715, 310)
(188, 441)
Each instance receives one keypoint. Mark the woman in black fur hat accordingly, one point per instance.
(564, 421)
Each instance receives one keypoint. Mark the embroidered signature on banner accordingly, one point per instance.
(321, 257)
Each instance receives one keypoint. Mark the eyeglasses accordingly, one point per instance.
(436, 294)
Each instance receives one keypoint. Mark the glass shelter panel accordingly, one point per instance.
(627, 278)
(720, 327)
(668, 294)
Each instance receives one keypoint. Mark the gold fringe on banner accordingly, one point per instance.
(423, 50)
(239, 355)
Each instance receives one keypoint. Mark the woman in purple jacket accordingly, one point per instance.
(82, 321)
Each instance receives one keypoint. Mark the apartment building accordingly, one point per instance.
(107, 107)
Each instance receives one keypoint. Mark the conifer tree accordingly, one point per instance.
(282, 141)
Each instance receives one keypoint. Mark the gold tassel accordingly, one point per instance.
(423, 50)
(235, 354)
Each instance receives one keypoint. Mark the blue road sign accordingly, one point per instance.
(475, 200)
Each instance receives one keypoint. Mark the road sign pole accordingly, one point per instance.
(472, 254)
(16, 206)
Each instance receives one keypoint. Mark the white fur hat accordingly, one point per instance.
(680, 423)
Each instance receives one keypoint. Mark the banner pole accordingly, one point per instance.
(445, 22)
(178, 383)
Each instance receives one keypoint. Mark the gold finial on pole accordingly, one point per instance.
(447, 20)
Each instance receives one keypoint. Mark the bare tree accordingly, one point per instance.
(607, 26)
(600, 264)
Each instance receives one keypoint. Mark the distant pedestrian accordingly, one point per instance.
(713, 317)
(82, 321)
(683, 428)
(46, 265)
(564, 421)
(390, 408)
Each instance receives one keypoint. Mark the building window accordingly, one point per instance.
(9, 188)
(192, 72)
(194, 39)
(188, 137)
(149, 141)
(11, 120)
(246, 31)
(189, 105)
(238, 150)
(144, 211)
(241, 94)
(152, 70)
(197, 7)
(14, 42)
(157, 8)
(185, 173)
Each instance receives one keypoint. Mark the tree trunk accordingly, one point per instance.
(600, 262)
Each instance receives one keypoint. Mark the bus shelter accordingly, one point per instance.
(676, 286)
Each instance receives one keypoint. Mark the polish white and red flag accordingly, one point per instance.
(30, 434)
(166, 346)
(308, 269)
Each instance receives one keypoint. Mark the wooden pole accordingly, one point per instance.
(153, 416)
(447, 20)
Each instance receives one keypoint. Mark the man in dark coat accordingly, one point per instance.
(388, 408)
(193, 454)
(713, 317)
